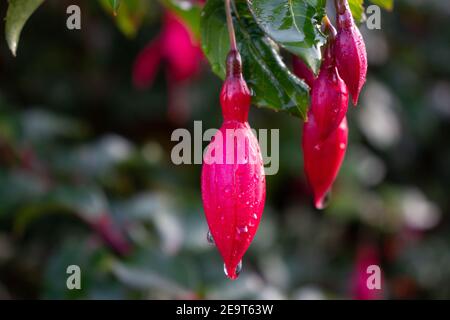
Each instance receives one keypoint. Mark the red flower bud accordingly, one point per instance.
(233, 181)
(350, 51)
(329, 96)
(322, 158)
(176, 47)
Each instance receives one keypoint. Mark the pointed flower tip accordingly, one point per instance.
(231, 273)
(233, 277)
(319, 203)
(355, 99)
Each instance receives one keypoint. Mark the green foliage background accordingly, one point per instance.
(78, 143)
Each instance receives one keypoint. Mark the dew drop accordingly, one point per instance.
(210, 238)
(238, 269)
(243, 229)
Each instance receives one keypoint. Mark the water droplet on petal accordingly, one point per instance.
(210, 238)
(225, 270)
(238, 269)
(243, 229)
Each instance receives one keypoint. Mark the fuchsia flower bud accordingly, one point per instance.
(350, 51)
(176, 47)
(233, 182)
(322, 158)
(329, 96)
(325, 132)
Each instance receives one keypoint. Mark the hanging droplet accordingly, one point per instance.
(238, 269)
(210, 238)
(323, 204)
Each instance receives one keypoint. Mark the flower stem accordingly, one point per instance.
(340, 6)
(328, 28)
(230, 26)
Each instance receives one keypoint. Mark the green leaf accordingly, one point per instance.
(87, 202)
(189, 13)
(17, 15)
(130, 16)
(357, 8)
(294, 25)
(114, 5)
(273, 85)
(386, 4)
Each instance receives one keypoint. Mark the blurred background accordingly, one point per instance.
(86, 177)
